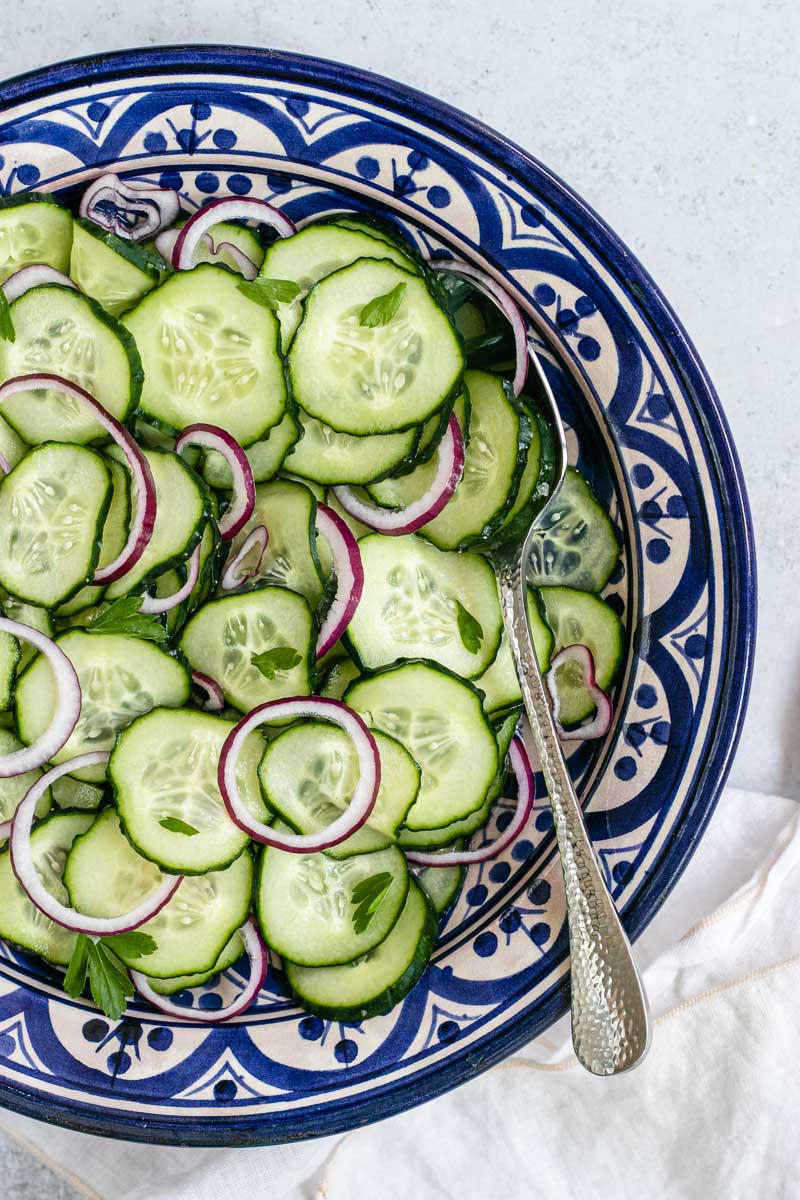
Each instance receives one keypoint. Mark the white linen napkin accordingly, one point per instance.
(712, 1111)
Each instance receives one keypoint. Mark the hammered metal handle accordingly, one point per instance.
(610, 1018)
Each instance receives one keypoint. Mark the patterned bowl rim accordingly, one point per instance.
(678, 348)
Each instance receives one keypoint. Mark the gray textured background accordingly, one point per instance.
(679, 122)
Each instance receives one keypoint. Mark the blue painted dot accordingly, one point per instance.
(95, 1030)
(696, 645)
(618, 574)
(184, 998)
(616, 602)
(539, 892)
(155, 143)
(224, 1091)
(132, 1031)
(27, 174)
(448, 1032)
(544, 821)
(186, 139)
(646, 696)
(368, 167)
(504, 819)
(540, 932)
(402, 184)
(210, 1002)
(171, 179)
(240, 185)
(635, 735)
(625, 768)
(485, 944)
(97, 111)
(417, 161)
(532, 216)
(279, 183)
(567, 318)
(589, 348)
(621, 871)
(676, 506)
(118, 1063)
(660, 732)
(657, 550)
(477, 894)
(7, 1045)
(345, 1051)
(510, 920)
(585, 306)
(642, 475)
(500, 872)
(311, 1028)
(658, 407)
(650, 511)
(224, 139)
(207, 181)
(201, 111)
(159, 1039)
(543, 294)
(438, 197)
(521, 850)
(297, 106)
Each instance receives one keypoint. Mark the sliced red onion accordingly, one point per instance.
(163, 604)
(234, 575)
(349, 572)
(68, 704)
(165, 245)
(259, 961)
(5, 465)
(508, 307)
(601, 722)
(397, 521)
(130, 208)
(216, 698)
(33, 276)
(144, 488)
(364, 793)
(243, 497)
(28, 877)
(521, 766)
(245, 208)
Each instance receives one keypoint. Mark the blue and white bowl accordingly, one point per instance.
(645, 426)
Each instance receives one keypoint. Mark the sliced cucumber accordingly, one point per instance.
(225, 234)
(532, 470)
(71, 793)
(288, 510)
(265, 457)
(10, 656)
(105, 877)
(221, 639)
(231, 953)
(34, 228)
(339, 678)
(112, 539)
(115, 272)
(21, 922)
(210, 354)
(420, 602)
(329, 457)
(53, 507)
(375, 227)
(121, 678)
(317, 910)
(364, 379)
(164, 768)
(62, 332)
(28, 614)
(308, 774)
(441, 885)
(13, 789)
(578, 617)
(318, 491)
(379, 979)
(12, 446)
(439, 719)
(576, 544)
(499, 682)
(404, 487)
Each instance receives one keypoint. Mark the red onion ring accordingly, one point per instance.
(28, 877)
(216, 698)
(68, 706)
(521, 766)
(130, 208)
(259, 961)
(165, 244)
(245, 208)
(232, 576)
(144, 518)
(364, 794)
(508, 307)
(601, 722)
(35, 275)
(162, 604)
(243, 497)
(397, 521)
(349, 572)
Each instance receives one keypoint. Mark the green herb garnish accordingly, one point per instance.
(109, 980)
(123, 617)
(6, 324)
(270, 293)
(176, 825)
(368, 896)
(279, 658)
(381, 309)
(470, 631)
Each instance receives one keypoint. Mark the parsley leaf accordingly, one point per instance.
(269, 293)
(133, 943)
(75, 978)
(368, 896)
(6, 324)
(110, 985)
(176, 825)
(469, 630)
(123, 617)
(381, 309)
(109, 981)
(279, 658)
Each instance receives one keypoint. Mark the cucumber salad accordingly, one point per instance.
(256, 700)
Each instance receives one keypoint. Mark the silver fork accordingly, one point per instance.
(610, 1017)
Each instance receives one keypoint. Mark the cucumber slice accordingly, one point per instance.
(14, 789)
(312, 910)
(532, 470)
(121, 678)
(339, 678)
(71, 793)
(308, 774)
(378, 980)
(112, 539)
(363, 380)
(578, 617)
(439, 719)
(12, 446)
(27, 614)
(288, 510)
(182, 509)
(210, 354)
(62, 332)
(21, 922)
(375, 227)
(53, 507)
(221, 639)
(266, 457)
(240, 236)
(576, 545)
(34, 228)
(164, 768)
(115, 272)
(10, 656)
(106, 877)
(420, 602)
(402, 488)
(231, 953)
(327, 456)
(499, 682)
(441, 885)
